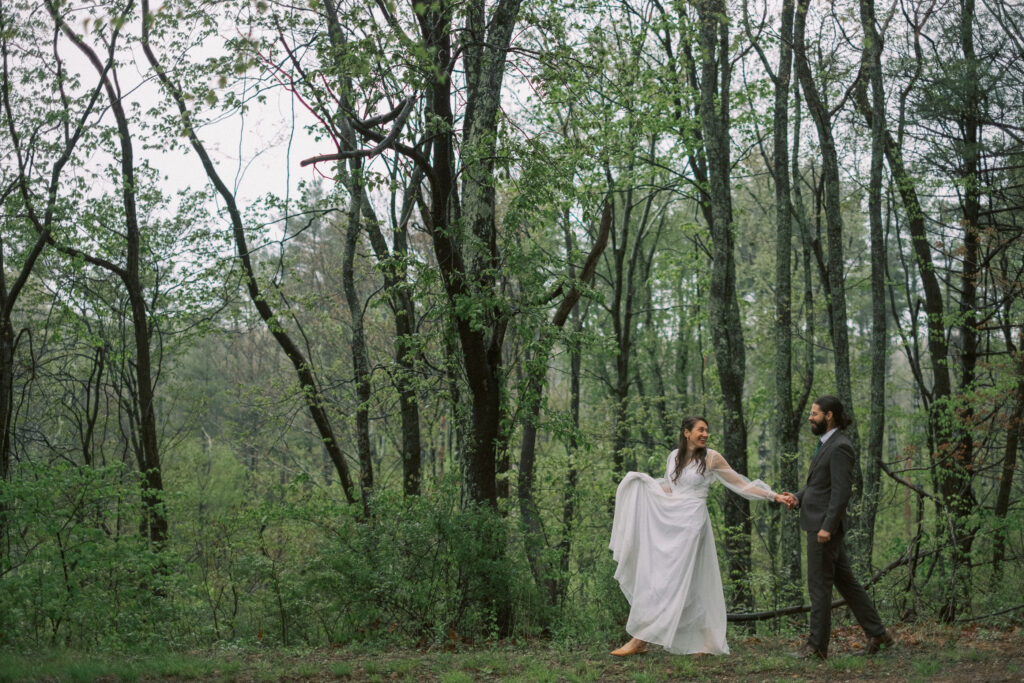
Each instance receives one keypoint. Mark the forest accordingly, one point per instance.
(339, 321)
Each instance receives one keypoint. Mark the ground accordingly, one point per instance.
(924, 653)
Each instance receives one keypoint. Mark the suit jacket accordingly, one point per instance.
(824, 497)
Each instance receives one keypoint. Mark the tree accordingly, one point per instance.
(835, 288)
(303, 369)
(723, 307)
(459, 210)
(788, 410)
(148, 453)
(946, 135)
(872, 63)
(29, 184)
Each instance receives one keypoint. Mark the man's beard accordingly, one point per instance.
(818, 428)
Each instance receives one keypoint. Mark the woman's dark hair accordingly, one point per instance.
(700, 455)
(831, 404)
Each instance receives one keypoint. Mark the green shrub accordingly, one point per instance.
(77, 573)
(418, 569)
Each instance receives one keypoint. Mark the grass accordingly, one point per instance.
(71, 666)
(456, 677)
(925, 654)
(927, 667)
(341, 669)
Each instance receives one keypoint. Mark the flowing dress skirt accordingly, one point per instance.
(668, 567)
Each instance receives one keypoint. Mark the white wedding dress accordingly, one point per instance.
(667, 564)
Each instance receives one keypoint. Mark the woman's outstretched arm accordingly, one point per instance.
(736, 482)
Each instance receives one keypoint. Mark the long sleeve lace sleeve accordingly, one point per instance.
(736, 482)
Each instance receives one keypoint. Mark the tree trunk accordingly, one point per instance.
(957, 480)
(836, 264)
(872, 59)
(486, 50)
(571, 447)
(396, 287)
(786, 416)
(723, 308)
(792, 535)
(360, 360)
(622, 326)
(6, 385)
(481, 335)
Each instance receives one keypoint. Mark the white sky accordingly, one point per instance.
(256, 153)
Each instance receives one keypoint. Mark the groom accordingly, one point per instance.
(822, 502)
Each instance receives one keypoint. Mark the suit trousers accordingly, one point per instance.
(828, 566)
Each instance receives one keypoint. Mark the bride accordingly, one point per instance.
(662, 542)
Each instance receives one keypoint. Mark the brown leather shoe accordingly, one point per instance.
(808, 652)
(878, 643)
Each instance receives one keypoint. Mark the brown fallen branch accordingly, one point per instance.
(992, 614)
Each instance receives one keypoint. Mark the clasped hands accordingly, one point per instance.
(787, 499)
(791, 502)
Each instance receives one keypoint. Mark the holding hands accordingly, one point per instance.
(787, 499)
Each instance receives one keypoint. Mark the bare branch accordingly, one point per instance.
(387, 142)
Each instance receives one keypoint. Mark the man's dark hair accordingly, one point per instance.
(831, 404)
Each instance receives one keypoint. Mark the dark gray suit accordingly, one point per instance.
(823, 506)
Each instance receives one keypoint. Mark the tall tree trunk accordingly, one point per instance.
(360, 359)
(472, 273)
(957, 480)
(790, 470)
(155, 521)
(572, 449)
(872, 59)
(487, 39)
(836, 264)
(723, 307)
(786, 416)
(623, 288)
(396, 287)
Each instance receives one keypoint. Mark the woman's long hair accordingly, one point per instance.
(700, 455)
